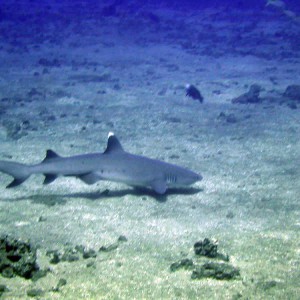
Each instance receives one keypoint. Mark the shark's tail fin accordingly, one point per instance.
(19, 172)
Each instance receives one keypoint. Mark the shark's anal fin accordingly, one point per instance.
(49, 178)
(159, 186)
(90, 178)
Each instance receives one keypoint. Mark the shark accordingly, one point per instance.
(114, 164)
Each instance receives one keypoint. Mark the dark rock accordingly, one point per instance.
(237, 296)
(206, 248)
(149, 16)
(39, 274)
(35, 93)
(8, 272)
(266, 285)
(186, 264)
(49, 63)
(252, 96)
(228, 118)
(230, 215)
(62, 282)
(35, 293)
(42, 219)
(292, 105)
(3, 289)
(220, 271)
(70, 255)
(194, 93)
(55, 258)
(109, 11)
(80, 248)
(173, 119)
(162, 92)
(117, 87)
(101, 92)
(45, 71)
(231, 118)
(84, 78)
(109, 248)
(17, 258)
(91, 264)
(89, 253)
(292, 92)
(122, 238)
(15, 131)
(51, 118)
(174, 68)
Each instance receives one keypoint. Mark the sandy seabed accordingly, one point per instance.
(66, 86)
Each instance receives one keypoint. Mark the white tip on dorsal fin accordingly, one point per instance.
(110, 134)
(113, 144)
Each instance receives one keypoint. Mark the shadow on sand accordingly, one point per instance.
(61, 199)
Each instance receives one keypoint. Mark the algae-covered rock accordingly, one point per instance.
(220, 271)
(252, 96)
(292, 92)
(209, 249)
(33, 293)
(186, 264)
(17, 258)
(109, 248)
(89, 253)
(3, 289)
(206, 248)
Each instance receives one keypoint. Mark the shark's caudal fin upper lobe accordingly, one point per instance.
(19, 172)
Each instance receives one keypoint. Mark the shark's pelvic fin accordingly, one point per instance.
(113, 144)
(49, 178)
(90, 178)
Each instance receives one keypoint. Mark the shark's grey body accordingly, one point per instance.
(114, 164)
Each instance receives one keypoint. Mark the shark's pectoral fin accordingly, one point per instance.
(90, 178)
(49, 178)
(159, 186)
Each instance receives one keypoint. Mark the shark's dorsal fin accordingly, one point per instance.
(50, 154)
(113, 144)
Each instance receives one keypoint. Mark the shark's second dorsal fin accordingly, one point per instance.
(113, 144)
(50, 154)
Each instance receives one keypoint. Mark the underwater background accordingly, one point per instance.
(72, 71)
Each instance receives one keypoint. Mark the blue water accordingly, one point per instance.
(73, 71)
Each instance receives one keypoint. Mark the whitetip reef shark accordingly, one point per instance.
(114, 164)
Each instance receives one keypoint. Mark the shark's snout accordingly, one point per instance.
(189, 177)
(198, 177)
(195, 177)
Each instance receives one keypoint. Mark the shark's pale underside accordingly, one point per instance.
(114, 164)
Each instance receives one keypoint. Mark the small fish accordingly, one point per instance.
(193, 92)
